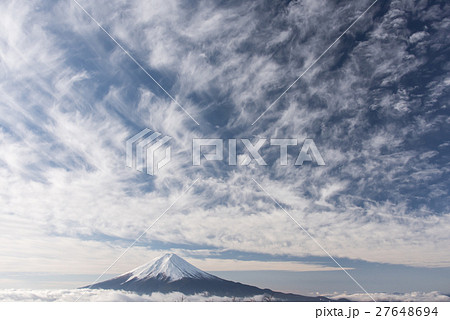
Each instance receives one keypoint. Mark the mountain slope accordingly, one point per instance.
(171, 273)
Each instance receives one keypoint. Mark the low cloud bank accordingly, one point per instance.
(97, 295)
(433, 296)
(68, 295)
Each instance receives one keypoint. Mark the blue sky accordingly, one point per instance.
(376, 105)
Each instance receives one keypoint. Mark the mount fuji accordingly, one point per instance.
(170, 273)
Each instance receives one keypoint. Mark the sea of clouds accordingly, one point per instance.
(99, 295)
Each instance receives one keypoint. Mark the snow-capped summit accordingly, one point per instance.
(168, 267)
